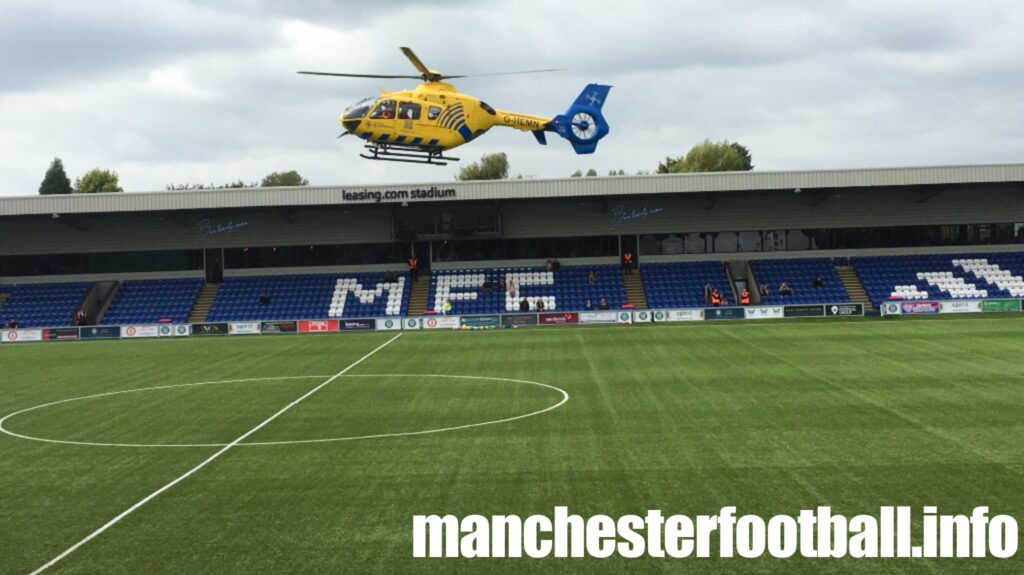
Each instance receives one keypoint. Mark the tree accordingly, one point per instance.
(748, 162)
(490, 167)
(708, 156)
(56, 180)
(97, 181)
(591, 173)
(184, 187)
(576, 174)
(277, 179)
(618, 173)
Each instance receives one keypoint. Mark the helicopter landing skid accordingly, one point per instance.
(410, 154)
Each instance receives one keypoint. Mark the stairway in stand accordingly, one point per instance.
(635, 289)
(854, 288)
(418, 295)
(204, 302)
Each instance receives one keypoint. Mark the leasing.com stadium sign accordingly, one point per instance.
(413, 194)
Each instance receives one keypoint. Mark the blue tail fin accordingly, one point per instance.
(583, 124)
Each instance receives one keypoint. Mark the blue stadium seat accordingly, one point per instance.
(799, 274)
(941, 276)
(151, 301)
(565, 290)
(311, 296)
(681, 284)
(43, 305)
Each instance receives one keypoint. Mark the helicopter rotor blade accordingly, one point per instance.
(417, 62)
(384, 76)
(507, 73)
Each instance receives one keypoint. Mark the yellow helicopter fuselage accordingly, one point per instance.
(433, 116)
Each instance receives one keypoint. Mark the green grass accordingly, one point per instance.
(770, 417)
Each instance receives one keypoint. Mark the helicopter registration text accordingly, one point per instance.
(520, 121)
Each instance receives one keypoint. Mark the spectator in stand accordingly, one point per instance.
(784, 289)
(513, 290)
(414, 267)
(556, 266)
(446, 307)
(603, 304)
(588, 306)
(716, 298)
(524, 305)
(488, 288)
(765, 292)
(818, 282)
(591, 277)
(744, 297)
(549, 265)
(390, 276)
(80, 317)
(540, 304)
(627, 262)
(264, 299)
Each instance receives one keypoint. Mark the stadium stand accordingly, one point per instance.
(151, 301)
(941, 276)
(565, 290)
(799, 274)
(681, 285)
(316, 296)
(43, 305)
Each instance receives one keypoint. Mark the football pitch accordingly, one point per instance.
(289, 454)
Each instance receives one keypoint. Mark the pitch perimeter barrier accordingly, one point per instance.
(487, 321)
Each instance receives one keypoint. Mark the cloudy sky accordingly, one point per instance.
(183, 91)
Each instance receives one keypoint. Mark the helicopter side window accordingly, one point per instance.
(408, 111)
(384, 111)
(433, 112)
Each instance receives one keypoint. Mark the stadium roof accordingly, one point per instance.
(510, 189)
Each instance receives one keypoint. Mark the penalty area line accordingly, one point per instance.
(206, 462)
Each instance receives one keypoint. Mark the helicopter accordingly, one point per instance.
(422, 124)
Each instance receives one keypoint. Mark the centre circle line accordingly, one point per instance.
(117, 519)
(561, 402)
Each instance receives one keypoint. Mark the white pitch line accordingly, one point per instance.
(207, 461)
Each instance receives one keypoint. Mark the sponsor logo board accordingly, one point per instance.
(764, 312)
(20, 335)
(441, 322)
(641, 316)
(558, 318)
(890, 308)
(715, 313)
(803, 311)
(61, 334)
(356, 324)
(412, 323)
(322, 326)
(481, 320)
(1001, 305)
(678, 315)
(138, 331)
(279, 327)
(920, 307)
(599, 317)
(844, 309)
(388, 324)
(519, 319)
(204, 329)
(960, 306)
(100, 332)
(244, 327)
